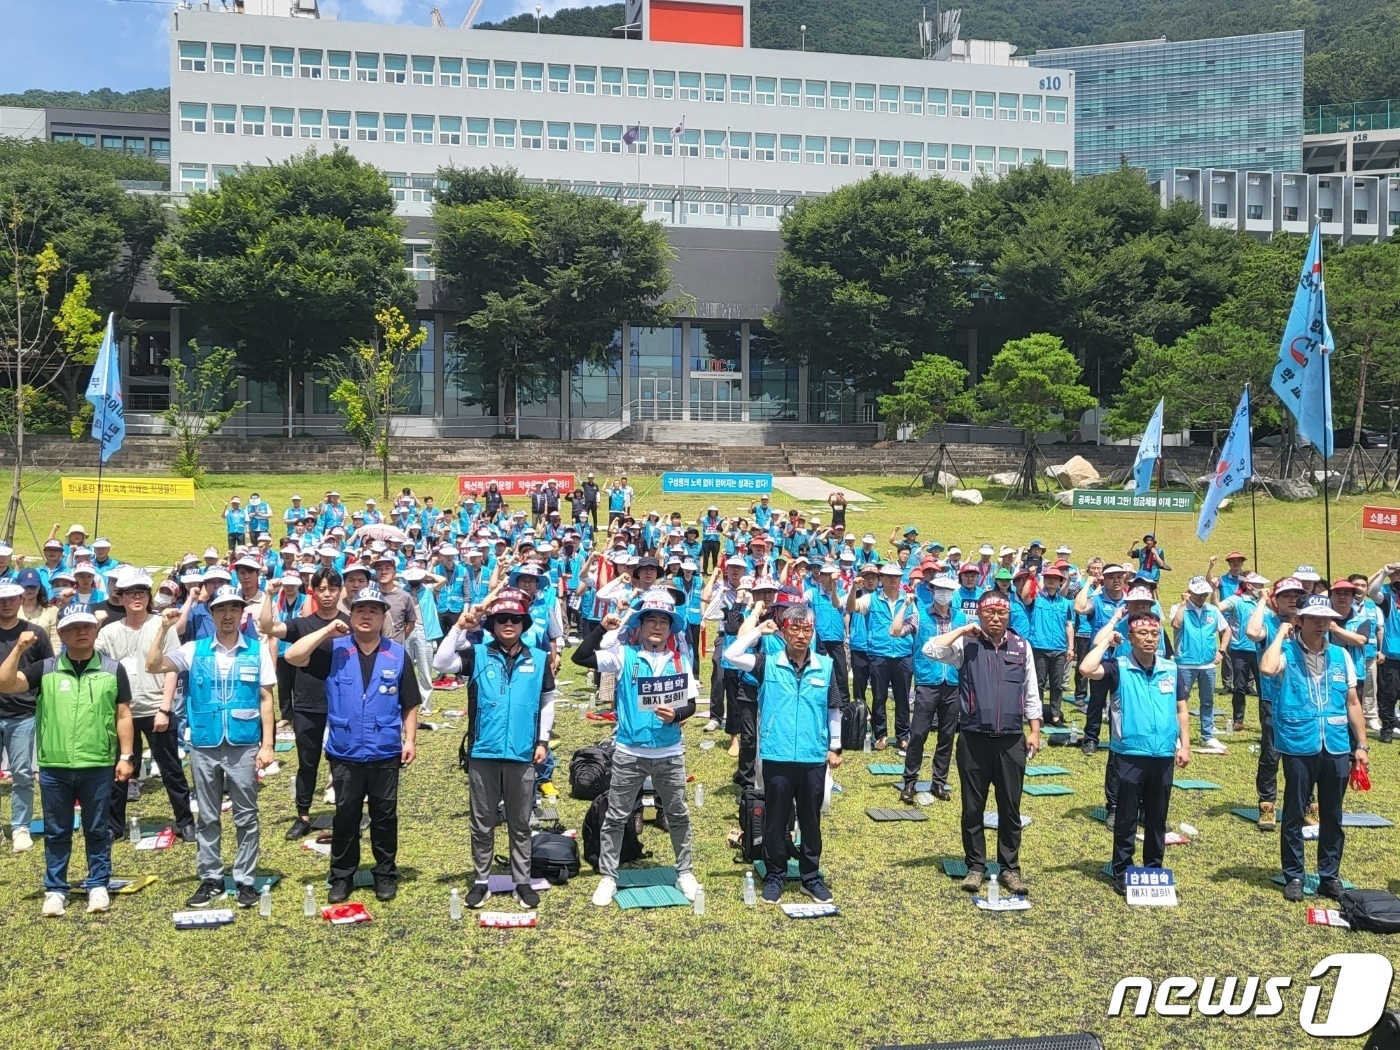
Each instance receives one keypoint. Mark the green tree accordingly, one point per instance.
(198, 406)
(933, 389)
(873, 276)
(292, 261)
(1363, 307)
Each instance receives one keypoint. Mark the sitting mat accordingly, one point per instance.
(1047, 789)
(259, 881)
(1195, 785)
(36, 826)
(1054, 730)
(992, 820)
(886, 769)
(322, 823)
(636, 878)
(1310, 882)
(1365, 820)
(1107, 869)
(282, 745)
(957, 868)
(761, 870)
(127, 886)
(1046, 771)
(1099, 814)
(363, 878)
(895, 814)
(650, 897)
(1250, 814)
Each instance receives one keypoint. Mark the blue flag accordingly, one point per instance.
(1301, 377)
(1235, 468)
(1149, 449)
(105, 392)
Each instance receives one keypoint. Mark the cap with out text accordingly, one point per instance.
(75, 614)
(1319, 605)
(226, 594)
(1198, 585)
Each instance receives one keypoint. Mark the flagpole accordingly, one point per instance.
(1157, 497)
(1324, 353)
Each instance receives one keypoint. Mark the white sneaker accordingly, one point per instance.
(98, 899)
(22, 840)
(1214, 744)
(330, 795)
(687, 885)
(1373, 724)
(55, 904)
(603, 895)
(711, 726)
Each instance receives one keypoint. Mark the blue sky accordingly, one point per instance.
(82, 45)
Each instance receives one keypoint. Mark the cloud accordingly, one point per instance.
(385, 10)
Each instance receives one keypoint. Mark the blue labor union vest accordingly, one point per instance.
(1142, 714)
(363, 719)
(225, 708)
(792, 711)
(1311, 717)
(638, 689)
(505, 703)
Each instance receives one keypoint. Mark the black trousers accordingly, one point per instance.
(164, 753)
(354, 783)
(987, 763)
(724, 699)
(310, 729)
(935, 709)
(860, 675)
(1144, 784)
(788, 786)
(1050, 675)
(837, 651)
(1301, 774)
(890, 674)
(1388, 690)
(1093, 717)
(709, 555)
(1244, 668)
(286, 682)
(1266, 779)
(692, 633)
(743, 716)
(1082, 645)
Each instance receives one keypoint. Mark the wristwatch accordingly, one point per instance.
(127, 758)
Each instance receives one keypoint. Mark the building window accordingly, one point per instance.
(532, 134)
(1029, 157)
(478, 130)
(585, 138)
(505, 134)
(225, 119)
(765, 211)
(790, 149)
(612, 138)
(424, 70)
(889, 99)
(865, 153)
(711, 208)
(690, 87)
(585, 80)
(396, 69)
(223, 171)
(1057, 158)
(418, 259)
(338, 125)
(112, 142)
(865, 98)
(253, 65)
(889, 154)
(689, 143)
(82, 138)
(962, 158)
(740, 90)
(192, 56)
(478, 73)
(395, 127)
(816, 94)
(254, 120)
(914, 156)
(1290, 213)
(1056, 109)
(815, 149)
(1256, 211)
(766, 91)
(422, 129)
(789, 92)
(398, 186)
(937, 102)
(309, 63)
(840, 96)
(739, 145)
(765, 147)
(984, 105)
(1007, 106)
(61, 136)
(450, 131)
(962, 104)
(559, 80)
(841, 152)
(612, 81)
(984, 160)
(309, 120)
(1323, 214)
(160, 149)
(714, 145)
(661, 143)
(421, 189)
(1218, 211)
(531, 76)
(505, 75)
(366, 67)
(283, 59)
(914, 101)
(663, 83)
(714, 87)
(773, 380)
(367, 127)
(1030, 108)
(225, 58)
(194, 178)
(637, 83)
(937, 156)
(1008, 157)
(283, 123)
(338, 65)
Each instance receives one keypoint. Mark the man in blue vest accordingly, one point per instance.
(1320, 731)
(935, 689)
(372, 704)
(229, 710)
(1386, 595)
(510, 711)
(891, 658)
(1148, 728)
(655, 693)
(1098, 605)
(1201, 634)
(1051, 633)
(799, 731)
(997, 691)
(1242, 651)
(1269, 615)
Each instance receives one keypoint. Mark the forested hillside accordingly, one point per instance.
(155, 100)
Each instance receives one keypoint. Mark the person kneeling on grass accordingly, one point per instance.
(510, 711)
(656, 692)
(799, 737)
(229, 707)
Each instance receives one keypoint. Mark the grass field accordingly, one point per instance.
(909, 959)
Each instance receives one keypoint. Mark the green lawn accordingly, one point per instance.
(909, 959)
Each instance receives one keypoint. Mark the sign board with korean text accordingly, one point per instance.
(707, 483)
(667, 690)
(129, 490)
(1380, 519)
(1151, 887)
(512, 484)
(1126, 502)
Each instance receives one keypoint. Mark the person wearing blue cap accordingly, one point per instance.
(1152, 559)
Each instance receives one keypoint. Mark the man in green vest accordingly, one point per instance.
(83, 728)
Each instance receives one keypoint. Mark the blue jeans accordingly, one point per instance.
(1204, 677)
(17, 738)
(91, 789)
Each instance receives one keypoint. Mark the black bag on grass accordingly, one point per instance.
(854, 722)
(553, 857)
(592, 833)
(751, 809)
(590, 771)
(1375, 911)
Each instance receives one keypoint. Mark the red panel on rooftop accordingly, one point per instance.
(691, 23)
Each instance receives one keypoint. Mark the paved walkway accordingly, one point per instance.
(814, 490)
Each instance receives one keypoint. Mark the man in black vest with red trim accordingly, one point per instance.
(997, 689)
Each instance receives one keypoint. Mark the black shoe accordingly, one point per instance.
(906, 793)
(1387, 735)
(942, 792)
(526, 895)
(817, 890)
(386, 887)
(186, 833)
(340, 891)
(208, 891)
(246, 897)
(772, 891)
(1058, 721)
(1110, 818)
(1294, 890)
(1090, 746)
(299, 829)
(478, 895)
(1120, 885)
(1330, 888)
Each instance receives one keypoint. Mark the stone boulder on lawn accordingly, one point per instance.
(1076, 472)
(965, 497)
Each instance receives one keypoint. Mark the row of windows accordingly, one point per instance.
(132, 144)
(504, 75)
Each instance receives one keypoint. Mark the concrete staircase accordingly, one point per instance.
(763, 459)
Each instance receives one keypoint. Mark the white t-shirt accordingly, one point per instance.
(129, 646)
(183, 656)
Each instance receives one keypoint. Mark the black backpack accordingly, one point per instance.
(553, 857)
(751, 807)
(854, 721)
(1375, 911)
(592, 833)
(590, 771)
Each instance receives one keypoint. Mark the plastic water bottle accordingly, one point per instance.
(699, 795)
(868, 743)
(454, 905)
(1254, 749)
(308, 903)
(293, 789)
(750, 897)
(1074, 734)
(265, 902)
(699, 900)
(993, 892)
(1229, 727)
(135, 831)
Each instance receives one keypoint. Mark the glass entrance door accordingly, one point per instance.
(715, 400)
(654, 399)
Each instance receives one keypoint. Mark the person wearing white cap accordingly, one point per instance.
(1263, 627)
(1320, 732)
(935, 705)
(985, 566)
(891, 658)
(1097, 605)
(259, 515)
(77, 536)
(102, 559)
(867, 554)
(235, 522)
(17, 713)
(230, 713)
(294, 515)
(427, 630)
(85, 747)
(402, 616)
(1200, 636)
(127, 640)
